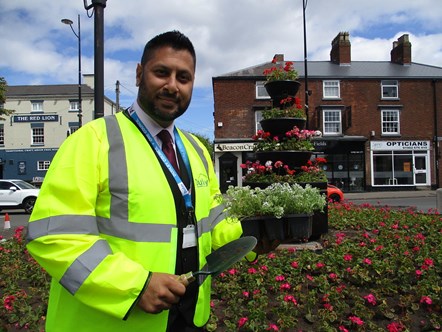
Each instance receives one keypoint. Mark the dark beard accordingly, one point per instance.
(149, 108)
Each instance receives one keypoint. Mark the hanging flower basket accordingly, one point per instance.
(281, 89)
(279, 126)
(293, 159)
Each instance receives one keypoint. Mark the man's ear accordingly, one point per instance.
(139, 76)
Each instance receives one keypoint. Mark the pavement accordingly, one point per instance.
(391, 194)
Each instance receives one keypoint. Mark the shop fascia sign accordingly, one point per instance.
(399, 145)
(35, 118)
(232, 147)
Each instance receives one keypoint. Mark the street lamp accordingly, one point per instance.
(304, 6)
(69, 22)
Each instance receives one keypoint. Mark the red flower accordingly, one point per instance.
(242, 321)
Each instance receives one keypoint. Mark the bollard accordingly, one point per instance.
(439, 199)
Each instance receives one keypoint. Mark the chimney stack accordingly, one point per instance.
(341, 49)
(401, 52)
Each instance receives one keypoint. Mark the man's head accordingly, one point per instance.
(165, 76)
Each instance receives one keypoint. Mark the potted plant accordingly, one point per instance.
(261, 175)
(279, 120)
(280, 211)
(281, 80)
(293, 149)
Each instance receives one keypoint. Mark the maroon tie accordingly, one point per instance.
(168, 149)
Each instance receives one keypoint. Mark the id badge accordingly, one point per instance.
(189, 237)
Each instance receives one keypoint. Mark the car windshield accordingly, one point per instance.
(23, 184)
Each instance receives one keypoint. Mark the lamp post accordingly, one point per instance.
(304, 6)
(78, 35)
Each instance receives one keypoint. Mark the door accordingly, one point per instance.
(228, 171)
(420, 170)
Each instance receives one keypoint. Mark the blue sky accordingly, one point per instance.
(228, 35)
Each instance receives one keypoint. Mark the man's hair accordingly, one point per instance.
(174, 39)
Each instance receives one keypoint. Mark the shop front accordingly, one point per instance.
(345, 157)
(400, 163)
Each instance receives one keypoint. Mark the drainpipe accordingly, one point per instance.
(436, 133)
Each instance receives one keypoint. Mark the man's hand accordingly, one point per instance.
(161, 293)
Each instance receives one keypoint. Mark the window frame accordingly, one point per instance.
(259, 86)
(397, 121)
(43, 165)
(77, 103)
(37, 109)
(324, 122)
(336, 86)
(37, 136)
(390, 84)
(2, 134)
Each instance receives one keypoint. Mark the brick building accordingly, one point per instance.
(380, 120)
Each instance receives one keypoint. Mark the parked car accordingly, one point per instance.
(17, 194)
(334, 193)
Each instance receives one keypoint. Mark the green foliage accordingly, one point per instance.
(3, 89)
(277, 199)
(379, 270)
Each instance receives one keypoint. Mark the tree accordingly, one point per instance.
(3, 88)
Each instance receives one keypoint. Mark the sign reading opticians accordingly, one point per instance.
(221, 147)
(399, 145)
(35, 118)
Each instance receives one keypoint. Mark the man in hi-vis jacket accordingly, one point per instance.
(129, 204)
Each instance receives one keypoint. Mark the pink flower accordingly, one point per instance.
(245, 294)
(232, 271)
(367, 261)
(279, 278)
(418, 273)
(264, 268)
(342, 328)
(290, 298)
(272, 327)
(395, 327)
(370, 299)
(348, 257)
(309, 277)
(294, 264)
(212, 304)
(8, 302)
(252, 270)
(333, 276)
(356, 320)
(319, 265)
(285, 286)
(328, 306)
(379, 248)
(426, 300)
(242, 321)
(428, 261)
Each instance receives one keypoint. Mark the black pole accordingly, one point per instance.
(98, 6)
(80, 110)
(304, 6)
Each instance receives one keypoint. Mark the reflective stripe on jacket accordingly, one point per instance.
(105, 218)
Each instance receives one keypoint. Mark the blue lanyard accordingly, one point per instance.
(182, 151)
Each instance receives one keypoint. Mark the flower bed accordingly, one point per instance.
(379, 270)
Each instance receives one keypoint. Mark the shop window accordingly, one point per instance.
(43, 165)
(331, 89)
(390, 122)
(261, 92)
(389, 89)
(332, 123)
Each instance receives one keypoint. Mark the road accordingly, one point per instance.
(425, 201)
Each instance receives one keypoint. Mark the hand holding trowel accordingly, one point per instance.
(222, 258)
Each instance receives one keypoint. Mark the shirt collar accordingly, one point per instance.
(153, 127)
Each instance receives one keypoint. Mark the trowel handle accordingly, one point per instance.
(186, 278)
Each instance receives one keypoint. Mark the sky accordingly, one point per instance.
(228, 35)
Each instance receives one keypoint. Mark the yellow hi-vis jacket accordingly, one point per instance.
(105, 219)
